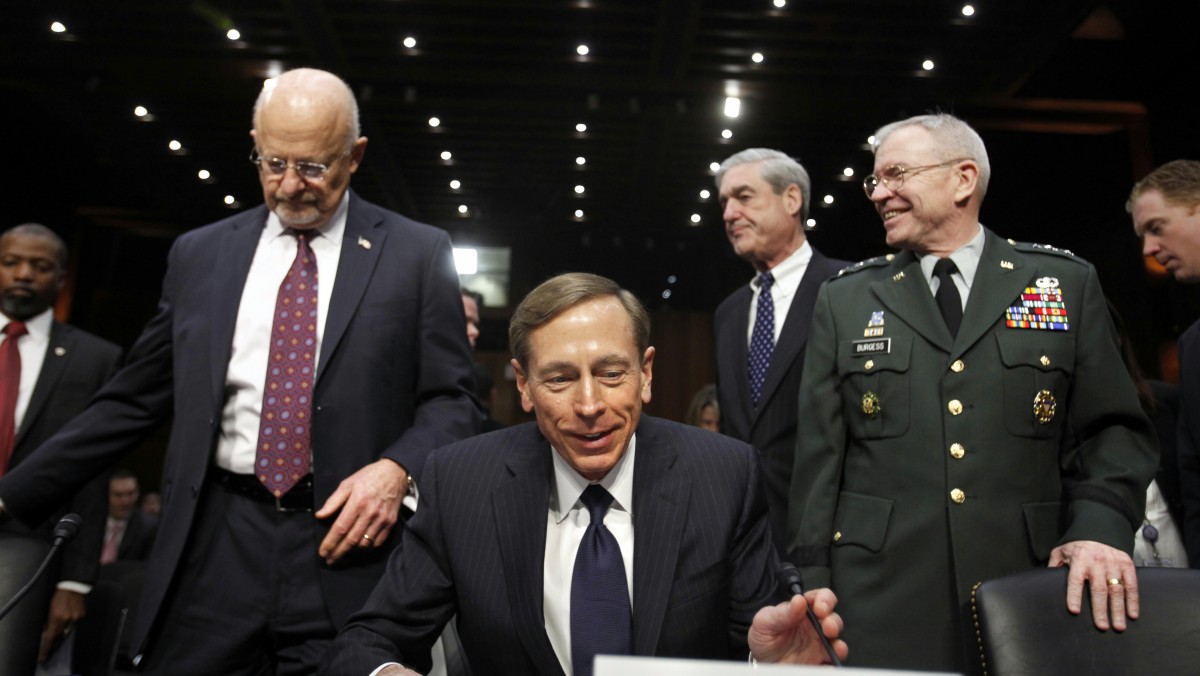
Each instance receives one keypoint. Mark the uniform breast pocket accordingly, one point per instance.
(875, 386)
(1037, 380)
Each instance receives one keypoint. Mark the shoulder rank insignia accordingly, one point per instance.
(1041, 307)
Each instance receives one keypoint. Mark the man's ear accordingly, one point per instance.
(967, 181)
(522, 387)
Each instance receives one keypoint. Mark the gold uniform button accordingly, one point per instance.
(955, 407)
(958, 496)
(837, 536)
(1045, 360)
(869, 365)
(957, 451)
(958, 366)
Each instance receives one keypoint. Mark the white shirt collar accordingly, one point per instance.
(332, 231)
(790, 271)
(38, 325)
(569, 485)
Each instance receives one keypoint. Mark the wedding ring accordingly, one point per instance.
(368, 539)
(1112, 581)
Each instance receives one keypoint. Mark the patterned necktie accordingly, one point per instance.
(762, 339)
(10, 387)
(284, 432)
(948, 300)
(601, 620)
(111, 549)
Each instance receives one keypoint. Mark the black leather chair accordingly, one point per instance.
(1023, 627)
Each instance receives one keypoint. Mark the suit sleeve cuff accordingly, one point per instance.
(384, 666)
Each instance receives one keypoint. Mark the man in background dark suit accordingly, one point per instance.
(766, 196)
(502, 536)
(128, 532)
(60, 368)
(1166, 216)
(311, 351)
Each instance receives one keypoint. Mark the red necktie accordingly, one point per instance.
(284, 432)
(10, 386)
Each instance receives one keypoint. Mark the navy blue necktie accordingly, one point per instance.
(601, 620)
(948, 300)
(762, 339)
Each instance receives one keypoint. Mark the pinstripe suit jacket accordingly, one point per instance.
(703, 563)
(771, 426)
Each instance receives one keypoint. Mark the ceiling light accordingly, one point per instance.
(780, 3)
(848, 172)
(462, 209)
(233, 34)
(828, 199)
(812, 222)
(672, 279)
(410, 42)
(140, 111)
(927, 64)
(203, 175)
(871, 140)
(579, 213)
(446, 155)
(579, 189)
(434, 122)
(726, 133)
(58, 27)
(582, 50)
(733, 106)
(714, 167)
(581, 160)
(968, 10)
(175, 145)
(229, 199)
(695, 218)
(455, 184)
(704, 194)
(581, 127)
(666, 294)
(756, 57)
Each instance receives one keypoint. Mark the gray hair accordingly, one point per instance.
(313, 78)
(777, 169)
(954, 137)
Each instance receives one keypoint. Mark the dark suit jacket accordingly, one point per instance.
(703, 558)
(76, 365)
(394, 380)
(926, 468)
(1189, 440)
(771, 426)
(138, 540)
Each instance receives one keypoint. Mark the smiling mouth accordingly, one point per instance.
(890, 214)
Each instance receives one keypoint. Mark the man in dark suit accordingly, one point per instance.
(505, 539)
(53, 370)
(312, 352)
(969, 418)
(128, 533)
(766, 197)
(1166, 215)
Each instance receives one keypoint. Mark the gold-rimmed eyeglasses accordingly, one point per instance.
(892, 177)
(309, 171)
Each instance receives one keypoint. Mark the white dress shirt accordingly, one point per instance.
(788, 276)
(247, 372)
(32, 347)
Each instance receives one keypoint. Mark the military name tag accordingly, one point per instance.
(863, 348)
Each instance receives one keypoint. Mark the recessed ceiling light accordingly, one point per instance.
(581, 127)
(968, 10)
(233, 34)
(871, 140)
(927, 64)
(455, 184)
(203, 175)
(410, 42)
(733, 106)
(780, 3)
(848, 172)
(175, 145)
(695, 218)
(140, 111)
(579, 189)
(446, 155)
(714, 167)
(582, 50)
(579, 213)
(434, 122)
(57, 27)
(726, 133)
(812, 222)
(704, 194)
(666, 294)
(462, 209)
(229, 199)
(756, 57)
(581, 160)
(828, 199)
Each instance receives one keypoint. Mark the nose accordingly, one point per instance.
(1150, 245)
(731, 211)
(880, 193)
(23, 271)
(590, 401)
(291, 182)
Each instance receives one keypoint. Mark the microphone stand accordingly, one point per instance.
(64, 532)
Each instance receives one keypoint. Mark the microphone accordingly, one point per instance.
(790, 579)
(64, 531)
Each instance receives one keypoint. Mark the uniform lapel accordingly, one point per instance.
(1001, 276)
(660, 497)
(520, 504)
(906, 294)
(58, 354)
(362, 243)
(233, 261)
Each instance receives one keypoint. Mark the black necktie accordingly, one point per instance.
(601, 620)
(948, 300)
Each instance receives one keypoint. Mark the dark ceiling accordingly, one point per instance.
(1057, 87)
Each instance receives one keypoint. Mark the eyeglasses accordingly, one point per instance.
(309, 171)
(893, 177)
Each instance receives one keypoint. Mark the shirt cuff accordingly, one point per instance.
(384, 666)
(77, 587)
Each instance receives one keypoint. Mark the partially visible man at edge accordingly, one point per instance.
(312, 352)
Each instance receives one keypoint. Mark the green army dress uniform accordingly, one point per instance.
(928, 463)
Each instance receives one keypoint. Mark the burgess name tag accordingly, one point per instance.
(863, 348)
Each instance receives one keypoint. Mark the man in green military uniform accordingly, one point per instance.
(966, 418)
